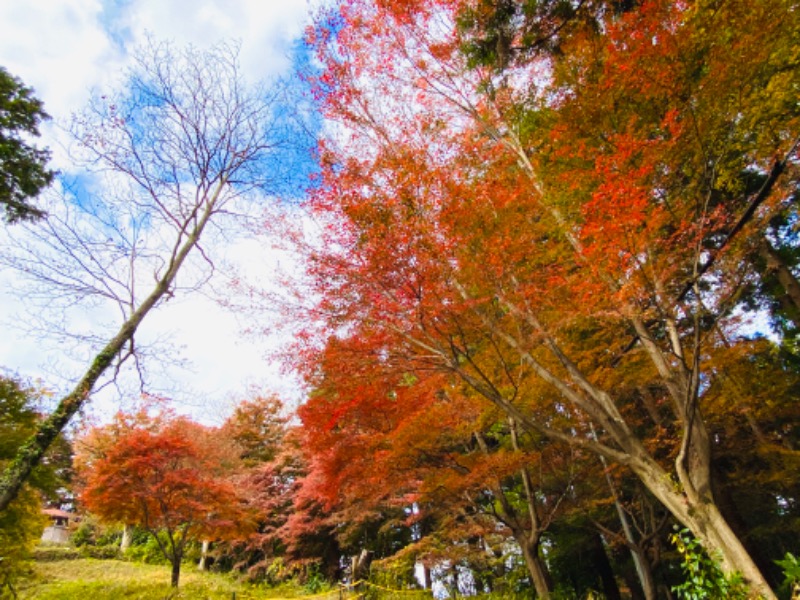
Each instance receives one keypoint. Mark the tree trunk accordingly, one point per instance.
(702, 517)
(176, 571)
(639, 558)
(690, 499)
(361, 564)
(633, 583)
(784, 275)
(30, 454)
(202, 565)
(604, 570)
(427, 577)
(645, 573)
(126, 538)
(536, 568)
(529, 541)
(734, 556)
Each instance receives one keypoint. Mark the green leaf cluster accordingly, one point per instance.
(23, 167)
(704, 578)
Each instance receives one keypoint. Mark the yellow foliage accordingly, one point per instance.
(21, 526)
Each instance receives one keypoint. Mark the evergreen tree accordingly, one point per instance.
(23, 167)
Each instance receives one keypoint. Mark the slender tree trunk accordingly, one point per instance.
(528, 539)
(645, 573)
(536, 568)
(603, 566)
(639, 559)
(176, 570)
(202, 565)
(126, 538)
(783, 273)
(633, 583)
(427, 577)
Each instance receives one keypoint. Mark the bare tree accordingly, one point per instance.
(186, 147)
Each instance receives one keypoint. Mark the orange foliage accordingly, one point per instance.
(166, 477)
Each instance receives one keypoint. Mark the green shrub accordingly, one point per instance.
(147, 551)
(315, 581)
(192, 552)
(791, 573)
(395, 573)
(704, 579)
(55, 553)
(275, 573)
(83, 535)
(92, 533)
(21, 526)
(100, 552)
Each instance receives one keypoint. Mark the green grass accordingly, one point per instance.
(87, 579)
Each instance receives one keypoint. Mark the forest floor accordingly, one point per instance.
(87, 579)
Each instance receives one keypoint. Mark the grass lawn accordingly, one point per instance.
(90, 579)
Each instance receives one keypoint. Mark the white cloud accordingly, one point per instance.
(265, 27)
(63, 48)
(57, 47)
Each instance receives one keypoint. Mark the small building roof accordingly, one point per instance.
(57, 512)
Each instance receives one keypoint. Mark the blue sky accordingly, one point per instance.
(65, 50)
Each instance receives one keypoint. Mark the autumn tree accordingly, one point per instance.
(271, 468)
(310, 534)
(166, 482)
(186, 147)
(583, 213)
(257, 427)
(465, 490)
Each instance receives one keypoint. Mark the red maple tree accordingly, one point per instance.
(563, 232)
(167, 482)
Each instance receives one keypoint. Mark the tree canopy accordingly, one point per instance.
(167, 479)
(23, 166)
